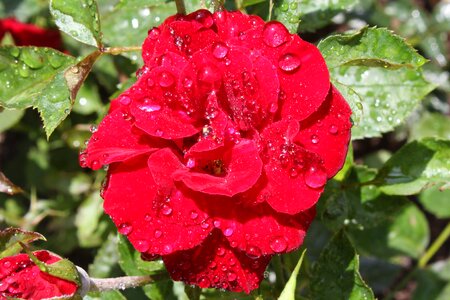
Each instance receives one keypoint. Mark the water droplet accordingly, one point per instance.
(148, 217)
(166, 79)
(220, 51)
(275, 34)
(221, 251)
(7, 264)
(154, 33)
(228, 232)
(273, 107)
(95, 165)
(150, 82)
(278, 244)
(289, 62)
(315, 178)
(142, 246)
(314, 139)
(24, 71)
(204, 225)
(150, 107)
(333, 129)
(158, 234)
(166, 210)
(14, 52)
(194, 215)
(190, 163)
(253, 252)
(231, 276)
(204, 282)
(216, 223)
(125, 100)
(125, 228)
(93, 128)
(167, 249)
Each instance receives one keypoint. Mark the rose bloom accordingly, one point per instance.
(220, 150)
(20, 278)
(30, 35)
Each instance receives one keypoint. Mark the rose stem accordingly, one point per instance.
(181, 9)
(118, 283)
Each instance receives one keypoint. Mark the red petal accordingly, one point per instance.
(258, 230)
(295, 176)
(327, 132)
(115, 140)
(304, 78)
(216, 264)
(242, 171)
(156, 220)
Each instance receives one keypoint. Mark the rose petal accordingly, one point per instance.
(243, 168)
(161, 224)
(116, 139)
(328, 128)
(216, 264)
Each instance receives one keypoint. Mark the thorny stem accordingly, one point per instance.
(118, 283)
(181, 9)
(423, 260)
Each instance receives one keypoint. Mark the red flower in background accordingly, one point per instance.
(20, 278)
(30, 34)
(220, 150)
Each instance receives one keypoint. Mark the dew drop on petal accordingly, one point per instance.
(289, 62)
(275, 34)
(7, 264)
(220, 51)
(166, 79)
(221, 251)
(209, 74)
(204, 225)
(333, 129)
(314, 139)
(293, 172)
(125, 228)
(142, 246)
(231, 276)
(154, 33)
(228, 232)
(253, 252)
(315, 178)
(190, 163)
(278, 244)
(158, 234)
(150, 82)
(148, 218)
(216, 223)
(273, 107)
(194, 215)
(166, 210)
(167, 249)
(204, 282)
(125, 100)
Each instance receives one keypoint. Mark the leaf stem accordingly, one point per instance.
(119, 50)
(431, 251)
(423, 260)
(181, 8)
(118, 283)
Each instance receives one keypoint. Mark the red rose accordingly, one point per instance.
(21, 278)
(220, 150)
(30, 34)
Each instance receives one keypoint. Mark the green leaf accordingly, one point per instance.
(288, 292)
(34, 77)
(436, 201)
(382, 70)
(405, 232)
(10, 240)
(9, 117)
(6, 186)
(431, 125)
(307, 15)
(79, 19)
(336, 273)
(64, 269)
(87, 220)
(128, 22)
(433, 282)
(415, 167)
